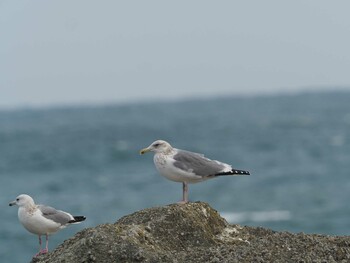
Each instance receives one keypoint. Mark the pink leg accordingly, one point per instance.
(184, 193)
(37, 254)
(43, 251)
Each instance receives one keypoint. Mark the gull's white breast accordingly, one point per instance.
(34, 222)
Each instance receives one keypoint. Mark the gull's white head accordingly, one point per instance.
(158, 146)
(23, 200)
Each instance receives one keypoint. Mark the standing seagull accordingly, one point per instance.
(187, 167)
(41, 219)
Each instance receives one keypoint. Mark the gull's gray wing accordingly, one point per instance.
(197, 163)
(57, 216)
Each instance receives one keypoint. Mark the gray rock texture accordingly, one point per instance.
(193, 232)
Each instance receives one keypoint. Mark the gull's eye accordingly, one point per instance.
(156, 144)
(17, 199)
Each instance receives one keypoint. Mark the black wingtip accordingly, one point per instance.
(238, 172)
(234, 172)
(77, 219)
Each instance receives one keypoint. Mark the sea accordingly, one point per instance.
(85, 160)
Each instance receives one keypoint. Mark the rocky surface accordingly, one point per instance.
(193, 233)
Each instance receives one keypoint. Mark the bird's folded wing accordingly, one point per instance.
(57, 216)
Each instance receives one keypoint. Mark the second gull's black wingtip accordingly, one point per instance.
(234, 172)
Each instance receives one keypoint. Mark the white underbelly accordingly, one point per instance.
(37, 224)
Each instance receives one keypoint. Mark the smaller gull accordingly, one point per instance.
(187, 167)
(41, 219)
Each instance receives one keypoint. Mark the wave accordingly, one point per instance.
(256, 216)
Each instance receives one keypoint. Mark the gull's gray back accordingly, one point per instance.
(197, 163)
(55, 215)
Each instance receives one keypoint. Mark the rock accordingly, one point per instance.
(193, 232)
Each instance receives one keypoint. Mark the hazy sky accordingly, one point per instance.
(82, 51)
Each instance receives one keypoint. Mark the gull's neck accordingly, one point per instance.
(167, 151)
(30, 206)
(27, 210)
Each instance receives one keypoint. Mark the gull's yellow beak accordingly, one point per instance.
(144, 150)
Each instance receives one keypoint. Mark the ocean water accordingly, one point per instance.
(85, 160)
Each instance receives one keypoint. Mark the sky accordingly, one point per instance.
(82, 51)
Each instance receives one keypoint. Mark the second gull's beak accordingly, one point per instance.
(12, 203)
(144, 150)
